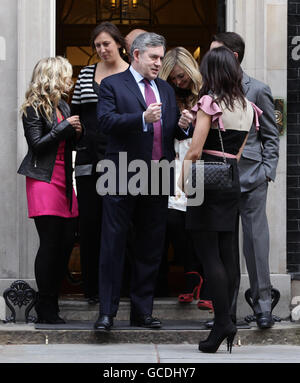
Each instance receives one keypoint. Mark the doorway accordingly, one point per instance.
(189, 23)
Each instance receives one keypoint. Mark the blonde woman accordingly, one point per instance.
(50, 133)
(181, 70)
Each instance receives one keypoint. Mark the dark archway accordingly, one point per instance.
(189, 23)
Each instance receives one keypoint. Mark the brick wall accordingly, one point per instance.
(293, 140)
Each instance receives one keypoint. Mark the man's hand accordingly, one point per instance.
(185, 119)
(153, 113)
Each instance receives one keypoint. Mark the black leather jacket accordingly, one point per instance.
(43, 138)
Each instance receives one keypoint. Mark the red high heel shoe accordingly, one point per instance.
(195, 284)
(205, 305)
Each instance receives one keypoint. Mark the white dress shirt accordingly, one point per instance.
(139, 80)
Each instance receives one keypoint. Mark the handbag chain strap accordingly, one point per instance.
(222, 145)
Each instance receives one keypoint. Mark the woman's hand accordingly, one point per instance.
(203, 123)
(185, 119)
(75, 122)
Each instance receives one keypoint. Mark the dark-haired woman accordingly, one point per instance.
(108, 43)
(221, 107)
(181, 70)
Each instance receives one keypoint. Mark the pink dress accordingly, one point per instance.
(45, 198)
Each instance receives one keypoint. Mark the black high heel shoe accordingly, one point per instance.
(50, 319)
(216, 337)
(47, 309)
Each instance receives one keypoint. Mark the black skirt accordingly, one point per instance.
(219, 209)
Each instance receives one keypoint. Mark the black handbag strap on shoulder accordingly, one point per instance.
(222, 145)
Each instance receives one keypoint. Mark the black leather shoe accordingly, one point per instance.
(104, 323)
(93, 300)
(145, 321)
(264, 320)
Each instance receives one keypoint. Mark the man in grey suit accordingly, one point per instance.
(257, 168)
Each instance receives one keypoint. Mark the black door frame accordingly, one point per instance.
(221, 15)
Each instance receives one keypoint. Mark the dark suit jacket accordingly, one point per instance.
(120, 108)
(260, 155)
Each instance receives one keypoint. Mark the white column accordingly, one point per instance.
(36, 39)
(230, 15)
(9, 265)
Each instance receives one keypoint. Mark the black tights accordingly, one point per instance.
(216, 252)
(57, 237)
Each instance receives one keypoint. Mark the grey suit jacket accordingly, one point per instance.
(260, 155)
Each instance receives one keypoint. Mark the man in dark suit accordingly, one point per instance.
(257, 167)
(139, 114)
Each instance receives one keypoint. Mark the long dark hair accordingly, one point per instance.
(222, 76)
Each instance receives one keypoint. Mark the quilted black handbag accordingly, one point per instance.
(214, 175)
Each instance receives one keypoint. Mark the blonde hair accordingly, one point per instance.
(183, 58)
(51, 80)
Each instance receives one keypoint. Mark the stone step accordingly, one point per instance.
(82, 333)
(163, 308)
(182, 323)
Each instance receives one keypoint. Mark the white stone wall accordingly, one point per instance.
(27, 33)
(9, 265)
(36, 39)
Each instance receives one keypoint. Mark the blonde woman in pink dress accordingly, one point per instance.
(51, 134)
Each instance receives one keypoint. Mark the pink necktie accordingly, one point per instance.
(157, 141)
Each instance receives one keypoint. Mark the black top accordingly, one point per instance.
(232, 140)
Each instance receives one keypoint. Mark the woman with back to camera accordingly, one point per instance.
(221, 104)
(181, 70)
(108, 43)
(50, 133)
